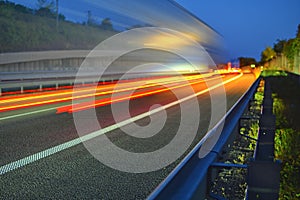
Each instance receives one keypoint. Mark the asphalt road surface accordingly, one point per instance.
(72, 172)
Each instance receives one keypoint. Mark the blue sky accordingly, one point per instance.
(247, 26)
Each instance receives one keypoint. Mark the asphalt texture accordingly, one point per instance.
(74, 173)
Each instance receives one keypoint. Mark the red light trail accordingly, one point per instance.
(149, 87)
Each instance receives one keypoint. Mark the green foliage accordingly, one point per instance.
(46, 8)
(292, 49)
(45, 12)
(267, 54)
(278, 110)
(284, 50)
(23, 30)
(267, 73)
(90, 19)
(279, 46)
(287, 138)
(46, 4)
(106, 24)
(286, 146)
(253, 132)
(259, 97)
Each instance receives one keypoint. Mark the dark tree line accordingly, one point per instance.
(44, 8)
(245, 61)
(25, 29)
(105, 24)
(289, 48)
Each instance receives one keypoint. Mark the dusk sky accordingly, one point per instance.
(248, 27)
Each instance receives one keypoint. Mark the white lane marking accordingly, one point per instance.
(48, 152)
(28, 113)
(45, 110)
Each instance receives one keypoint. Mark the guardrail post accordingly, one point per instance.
(263, 173)
(263, 180)
(266, 136)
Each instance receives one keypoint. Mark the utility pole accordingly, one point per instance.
(57, 15)
(89, 18)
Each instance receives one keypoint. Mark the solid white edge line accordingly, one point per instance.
(37, 156)
(28, 113)
(45, 110)
(194, 150)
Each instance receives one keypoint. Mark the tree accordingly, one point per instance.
(279, 46)
(46, 8)
(138, 26)
(267, 54)
(46, 4)
(90, 19)
(298, 32)
(106, 24)
(292, 49)
(23, 9)
(246, 61)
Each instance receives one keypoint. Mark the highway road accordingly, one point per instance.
(59, 169)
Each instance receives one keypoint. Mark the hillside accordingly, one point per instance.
(22, 29)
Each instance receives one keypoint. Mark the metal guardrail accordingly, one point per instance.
(40, 80)
(10, 82)
(189, 179)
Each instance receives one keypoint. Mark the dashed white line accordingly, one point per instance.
(28, 113)
(48, 152)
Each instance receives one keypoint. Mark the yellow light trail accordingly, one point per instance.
(60, 93)
(88, 105)
(148, 84)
